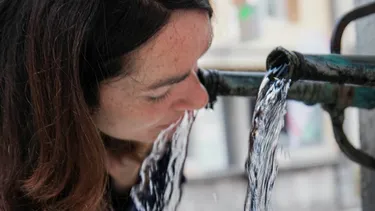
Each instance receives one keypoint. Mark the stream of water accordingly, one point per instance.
(161, 171)
(261, 164)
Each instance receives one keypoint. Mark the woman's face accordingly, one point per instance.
(163, 84)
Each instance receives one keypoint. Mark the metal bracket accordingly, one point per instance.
(335, 111)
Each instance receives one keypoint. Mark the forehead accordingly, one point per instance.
(176, 47)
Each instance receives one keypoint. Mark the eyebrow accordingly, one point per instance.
(177, 79)
(169, 81)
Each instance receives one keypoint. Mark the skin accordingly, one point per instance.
(135, 108)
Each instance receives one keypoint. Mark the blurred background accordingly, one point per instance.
(313, 173)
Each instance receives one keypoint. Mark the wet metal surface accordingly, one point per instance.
(335, 68)
(231, 83)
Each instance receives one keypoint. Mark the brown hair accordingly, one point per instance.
(53, 56)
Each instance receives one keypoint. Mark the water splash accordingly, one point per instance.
(268, 120)
(161, 171)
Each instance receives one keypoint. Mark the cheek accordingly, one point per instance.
(132, 113)
(113, 106)
(153, 113)
(119, 110)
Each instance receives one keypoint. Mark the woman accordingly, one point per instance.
(79, 77)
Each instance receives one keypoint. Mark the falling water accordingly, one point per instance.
(268, 120)
(161, 171)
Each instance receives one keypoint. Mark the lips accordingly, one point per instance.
(178, 120)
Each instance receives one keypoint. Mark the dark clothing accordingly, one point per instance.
(120, 201)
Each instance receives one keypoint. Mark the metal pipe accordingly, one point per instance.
(345, 20)
(232, 83)
(335, 68)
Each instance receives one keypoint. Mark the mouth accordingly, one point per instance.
(175, 122)
(170, 128)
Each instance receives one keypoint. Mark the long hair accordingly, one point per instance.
(53, 56)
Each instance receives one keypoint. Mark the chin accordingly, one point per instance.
(155, 134)
(150, 137)
(151, 134)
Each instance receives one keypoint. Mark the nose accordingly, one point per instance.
(195, 95)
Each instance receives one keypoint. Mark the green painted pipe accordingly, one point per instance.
(232, 83)
(335, 68)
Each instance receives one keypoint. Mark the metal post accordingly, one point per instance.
(365, 30)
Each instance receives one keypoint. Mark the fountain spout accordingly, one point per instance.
(336, 81)
(239, 83)
(334, 68)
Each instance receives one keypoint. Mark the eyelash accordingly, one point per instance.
(159, 98)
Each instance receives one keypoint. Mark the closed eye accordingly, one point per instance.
(160, 98)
